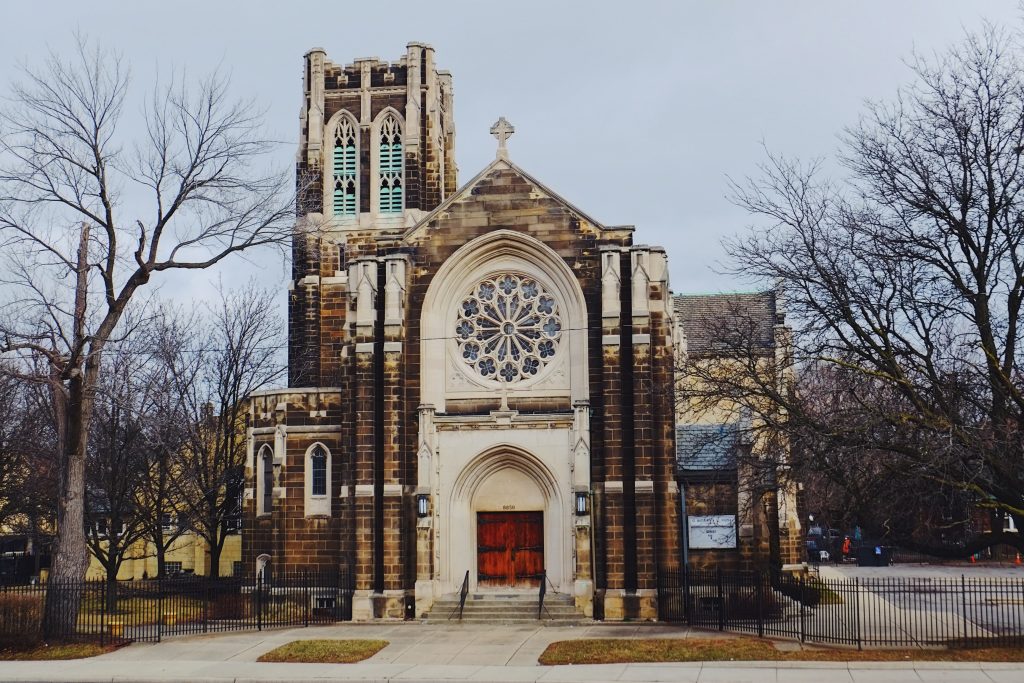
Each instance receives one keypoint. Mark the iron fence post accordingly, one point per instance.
(759, 578)
(259, 602)
(856, 608)
(305, 586)
(159, 607)
(800, 583)
(963, 602)
(721, 602)
(206, 603)
(105, 619)
(685, 595)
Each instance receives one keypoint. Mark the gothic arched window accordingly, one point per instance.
(318, 481)
(345, 193)
(318, 471)
(390, 165)
(265, 481)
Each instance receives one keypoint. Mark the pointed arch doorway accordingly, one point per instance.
(508, 522)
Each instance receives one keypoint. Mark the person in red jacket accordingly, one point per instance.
(846, 548)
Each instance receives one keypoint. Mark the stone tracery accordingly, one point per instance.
(508, 328)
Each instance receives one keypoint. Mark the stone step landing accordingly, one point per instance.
(488, 608)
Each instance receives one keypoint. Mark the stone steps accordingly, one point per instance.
(507, 609)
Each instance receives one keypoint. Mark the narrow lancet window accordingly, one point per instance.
(345, 176)
(318, 465)
(390, 170)
(266, 480)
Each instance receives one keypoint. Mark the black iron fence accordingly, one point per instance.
(874, 612)
(148, 610)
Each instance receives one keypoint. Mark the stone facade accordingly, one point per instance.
(718, 443)
(483, 349)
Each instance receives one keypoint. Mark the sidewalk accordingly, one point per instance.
(449, 653)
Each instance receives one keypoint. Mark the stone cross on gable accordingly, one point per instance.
(502, 130)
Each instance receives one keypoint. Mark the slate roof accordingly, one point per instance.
(708, 318)
(706, 447)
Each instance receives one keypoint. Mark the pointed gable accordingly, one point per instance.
(504, 196)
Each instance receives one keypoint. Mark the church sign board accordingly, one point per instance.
(712, 531)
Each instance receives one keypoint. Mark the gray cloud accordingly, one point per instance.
(636, 112)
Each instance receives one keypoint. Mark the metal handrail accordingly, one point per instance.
(543, 591)
(463, 592)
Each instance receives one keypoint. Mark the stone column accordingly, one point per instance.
(426, 485)
(362, 280)
(315, 117)
(583, 587)
(607, 504)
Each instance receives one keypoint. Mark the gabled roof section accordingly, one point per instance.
(706, 447)
(500, 164)
(716, 322)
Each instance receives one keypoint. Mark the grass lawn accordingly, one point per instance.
(58, 651)
(626, 650)
(141, 611)
(325, 651)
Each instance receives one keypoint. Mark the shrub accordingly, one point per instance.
(811, 594)
(745, 604)
(21, 618)
(230, 606)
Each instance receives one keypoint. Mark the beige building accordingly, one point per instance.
(188, 554)
(740, 508)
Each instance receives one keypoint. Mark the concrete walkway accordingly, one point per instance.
(420, 652)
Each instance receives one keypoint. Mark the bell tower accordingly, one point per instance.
(377, 140)
(376, 154)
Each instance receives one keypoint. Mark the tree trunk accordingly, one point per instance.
(112, 567)
(161, 551)
(215, 553)
(770, 505)
(73, 410)
(70, 553)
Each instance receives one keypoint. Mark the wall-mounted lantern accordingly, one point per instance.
(422, 505)
(582, 502)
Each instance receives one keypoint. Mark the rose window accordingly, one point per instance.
(508, 328)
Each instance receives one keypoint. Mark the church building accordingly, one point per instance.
(480, 382)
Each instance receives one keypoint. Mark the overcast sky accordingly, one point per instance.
(637, 112)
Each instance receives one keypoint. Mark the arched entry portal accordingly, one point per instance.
(507, 523)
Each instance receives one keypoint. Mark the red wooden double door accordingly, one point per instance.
(510, 548)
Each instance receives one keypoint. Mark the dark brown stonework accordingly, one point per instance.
(355, 383)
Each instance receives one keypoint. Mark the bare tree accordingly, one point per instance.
(738, 374)
(236, 354)
(115, 465)
(88, 217)
(159, 509)
(25, 449)
(905, 284)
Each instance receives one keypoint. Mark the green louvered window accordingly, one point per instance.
(345, 176)
(390, 169)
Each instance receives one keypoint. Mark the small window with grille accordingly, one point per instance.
(390, 166)
(344, 171)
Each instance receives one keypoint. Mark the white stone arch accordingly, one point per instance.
(486, 255)
(328, 163)
(484, 485)
(374, 143)
(262, 562)
(316, 505)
